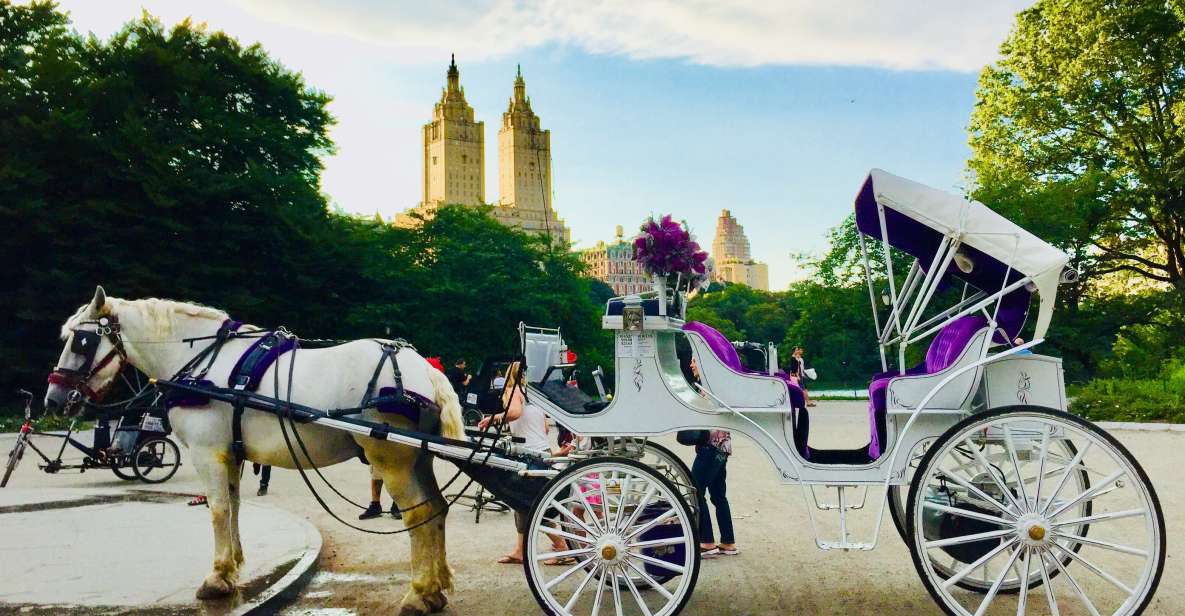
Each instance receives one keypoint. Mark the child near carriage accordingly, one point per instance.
(709, 471)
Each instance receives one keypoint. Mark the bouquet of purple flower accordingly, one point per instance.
(665, 248)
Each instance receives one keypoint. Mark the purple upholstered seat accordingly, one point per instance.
(720, 345)
(944, 350)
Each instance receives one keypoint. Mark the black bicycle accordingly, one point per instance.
(142, 450)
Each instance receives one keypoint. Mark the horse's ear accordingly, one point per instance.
(99, 300)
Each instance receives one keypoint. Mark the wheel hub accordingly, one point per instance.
(611, 549)
(1034, 530)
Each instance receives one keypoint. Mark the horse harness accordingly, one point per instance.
(86, 344)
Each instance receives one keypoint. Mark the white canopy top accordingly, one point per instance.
(976, 225)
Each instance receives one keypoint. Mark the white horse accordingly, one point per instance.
(151, 331)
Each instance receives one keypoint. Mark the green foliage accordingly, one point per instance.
(178, 163)
(1141, 400)
(1082, 124)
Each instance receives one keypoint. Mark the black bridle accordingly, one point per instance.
(85, 343)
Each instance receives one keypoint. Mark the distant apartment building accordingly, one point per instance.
(613, 263)
(733, 260)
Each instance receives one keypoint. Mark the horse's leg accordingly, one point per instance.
(216, 469)
(407, 473)
(236, 493)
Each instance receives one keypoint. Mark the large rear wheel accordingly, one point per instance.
(1021, 521)
(156, 460)
(611, 536)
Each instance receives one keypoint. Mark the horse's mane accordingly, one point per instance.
(159, 316)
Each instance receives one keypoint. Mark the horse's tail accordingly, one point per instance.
(451, 423)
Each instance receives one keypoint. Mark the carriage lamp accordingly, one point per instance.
(632, 318)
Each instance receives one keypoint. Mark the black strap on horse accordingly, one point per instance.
(422, 460)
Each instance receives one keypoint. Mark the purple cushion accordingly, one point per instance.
(944, 350)
(720, 345)
(948, 345)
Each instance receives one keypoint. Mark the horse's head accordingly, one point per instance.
(93, 356)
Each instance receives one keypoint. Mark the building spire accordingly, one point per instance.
(454, 76)
(520, 87)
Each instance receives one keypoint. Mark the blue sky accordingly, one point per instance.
(654, 107)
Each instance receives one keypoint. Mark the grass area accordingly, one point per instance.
(12, 422)
(1143, 400)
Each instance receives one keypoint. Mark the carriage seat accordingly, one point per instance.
(571, 399)
(617, 304)
(946, 349)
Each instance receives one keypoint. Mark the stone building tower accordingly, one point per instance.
(524, 169)
(730, 242)
(454, 149)
(730, 252)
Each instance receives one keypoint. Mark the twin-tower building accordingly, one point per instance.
(454, 162)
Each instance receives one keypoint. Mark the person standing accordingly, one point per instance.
(458, 377)
(796, 368)
(265, 477)
(375, 509)
(709, 472)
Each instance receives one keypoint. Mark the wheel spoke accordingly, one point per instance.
(564, 554)
(1089, 494)
(1106, 545)
(1050, 597)
(994, 534)
(967, 513)
(1011, 447)
(1041, 468)
(1022, 597)
(596, 606)
(550, 530)
(1074, 584)
(657, 562)
(659, 519)
(1102, 517)
(572, 516)
(987, 468)
(657, 543)
(637, 595)
(617, 604)
(966, 485)
(1095, 569)
(1066, 473)
(964, 572)
(579, 589)
(589, 508)
(621, 504)
(642, 504)
(991, 593)
(654, 584)
(568, 573)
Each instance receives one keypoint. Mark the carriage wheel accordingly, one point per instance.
(1060, 452)
(666, 462)
(156, 460)
(1023, 519)
(121, 465)
(635, 535)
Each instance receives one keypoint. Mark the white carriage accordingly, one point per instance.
(1007, 503)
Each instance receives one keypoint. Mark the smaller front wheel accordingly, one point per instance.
(156, 460)
(611, 536)
(14, 458)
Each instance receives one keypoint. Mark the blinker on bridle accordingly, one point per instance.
(85, 343)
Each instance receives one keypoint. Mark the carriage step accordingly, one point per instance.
(828, 546)
(844, 503)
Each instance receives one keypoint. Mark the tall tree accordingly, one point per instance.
(1081, 125)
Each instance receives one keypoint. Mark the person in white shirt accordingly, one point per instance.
(528, 422)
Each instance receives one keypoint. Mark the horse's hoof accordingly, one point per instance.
(435, 601)
(411, 610)
(214, 587)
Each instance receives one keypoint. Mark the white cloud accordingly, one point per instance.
(897, 34)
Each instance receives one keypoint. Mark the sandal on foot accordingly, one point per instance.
(510, 560)
(198, 500)
(708, 552)
(559, 562)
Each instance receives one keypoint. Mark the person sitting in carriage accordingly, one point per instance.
(528, 422)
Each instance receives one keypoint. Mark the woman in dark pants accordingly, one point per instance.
(710, 474)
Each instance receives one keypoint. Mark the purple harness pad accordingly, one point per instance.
(389, 401)
(252, 365)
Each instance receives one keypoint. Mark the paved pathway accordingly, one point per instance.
(88, 550)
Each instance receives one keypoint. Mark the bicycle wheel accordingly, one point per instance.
(156, 460)
(14, 458)
(121, 465)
